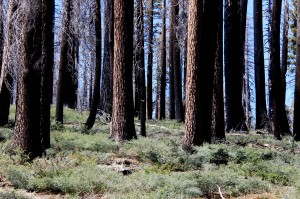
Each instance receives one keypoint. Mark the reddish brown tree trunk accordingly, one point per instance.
(192, 115)
(122, 125)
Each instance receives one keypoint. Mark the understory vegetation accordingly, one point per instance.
(84, 164)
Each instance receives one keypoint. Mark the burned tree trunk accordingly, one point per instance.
(235, 116)
(96, 94)
(140, 53)
(171, 64)
(260, 93)
(150, 61)
(279, 122)
(106, 89)
(27, 135)
(47, 69)
(63, 65)
(218, 122)
(179, 114)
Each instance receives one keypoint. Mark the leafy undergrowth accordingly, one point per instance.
(87, 164)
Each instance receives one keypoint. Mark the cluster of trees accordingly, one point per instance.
(187, 42)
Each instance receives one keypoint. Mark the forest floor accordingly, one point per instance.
(89, 165)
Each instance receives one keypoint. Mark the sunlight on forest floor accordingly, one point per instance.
(89, 165)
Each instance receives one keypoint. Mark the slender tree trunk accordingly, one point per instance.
(270, 100)
(122, 127)
(179, 114)
(96, 94)
(260, 93)
(61, 87)
(140, 62)
(284, 58)
(27, 135)
(106, 90)
(279, 119)
(47, 69)
(218, 122)
(235, 116)
(296, 129)
(162, 97)
(150, 61)
(171, 63)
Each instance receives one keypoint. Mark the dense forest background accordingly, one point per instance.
(194, 77)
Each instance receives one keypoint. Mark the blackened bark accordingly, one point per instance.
(150, 61)
(279, 122)
(106, 89)
(260, 93)
(96, 94)
(171, 64)
(179, 114)
(284, 63)
(122, 126)
(47, 69)
(235, 116)
(27, 134)
(140, 53)
(61, 87)
(218, 122)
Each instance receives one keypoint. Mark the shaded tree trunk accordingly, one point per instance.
(260, 93)
(284, 58)
(122, 127)
(163, 63)
(63, 65)
(218, 122)
(106, 90)
(179, 114)
(96, 94)
(150, 61)
(140, 62)
(27, 135)
(47, 69)
(279, 122)
(296, 129)
(235, 116)
(171, 63)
